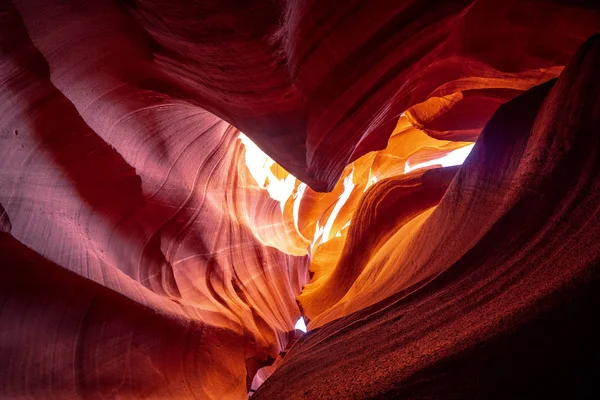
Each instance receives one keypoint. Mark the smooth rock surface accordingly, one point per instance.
(142, 258)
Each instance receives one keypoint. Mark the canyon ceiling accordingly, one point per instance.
(180, 181)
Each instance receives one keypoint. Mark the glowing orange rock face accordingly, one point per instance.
(494, 290)
(142, 255)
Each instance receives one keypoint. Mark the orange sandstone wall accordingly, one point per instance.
(140, 258)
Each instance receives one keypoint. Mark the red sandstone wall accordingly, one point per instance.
(140, 259)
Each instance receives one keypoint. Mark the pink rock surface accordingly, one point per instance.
(141, 259)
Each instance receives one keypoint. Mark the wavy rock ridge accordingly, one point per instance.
(142, 257)
(470, 319)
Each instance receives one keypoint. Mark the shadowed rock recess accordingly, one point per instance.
(181, 181)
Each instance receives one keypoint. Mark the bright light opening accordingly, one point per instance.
(260, 166)
(283, 186)
(348, 186)
(296, 207)
(300, 324)
(455, 157)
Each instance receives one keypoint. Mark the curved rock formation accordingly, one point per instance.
(143, 257)
(491, 294)
(127, 195)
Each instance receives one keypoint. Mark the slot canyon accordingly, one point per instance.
(185, 184)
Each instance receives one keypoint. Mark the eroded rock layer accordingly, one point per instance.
(121, 190)
(144, 256)
(495, 290)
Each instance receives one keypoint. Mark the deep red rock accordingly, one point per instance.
(141, 258)
(496, 298)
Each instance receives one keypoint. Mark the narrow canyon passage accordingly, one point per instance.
(299, 199)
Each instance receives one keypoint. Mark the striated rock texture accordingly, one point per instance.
(128, 270)
(143, 257)
(494, 290)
